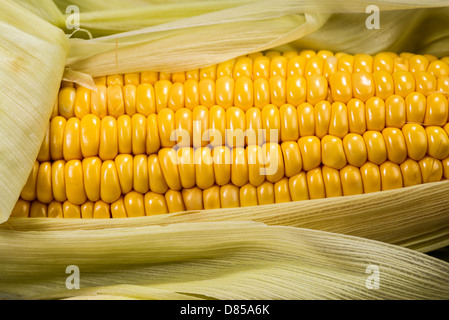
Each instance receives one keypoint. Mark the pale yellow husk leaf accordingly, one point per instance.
(219, 260)
(32, 57)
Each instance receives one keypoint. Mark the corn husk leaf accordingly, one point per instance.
(413, 217)
(32, 57)
(214, 260)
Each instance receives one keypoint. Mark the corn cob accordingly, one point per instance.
(259, 129)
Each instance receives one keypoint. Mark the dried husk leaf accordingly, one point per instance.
(219, 260)
(32, 57)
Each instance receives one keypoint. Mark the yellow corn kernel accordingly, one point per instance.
(235, 127)
(157, 182)
(411, 173)
(332, 182)
(101, 210)
(314, 65)
(124, 164)
(404, 83)
(306, 119)
(395, 114)
(155, 204)
(391, 176)
(282, 191)
(229, 196)
(256, 170)
(71, 210)
(92, 177)
(99, 101)
(277, 85)
(315, 184)
(74, 182)
(340, 83)
(116, 106)
(292, 158)
(193, 198)
(262, 94)
(186, 167)
(224, 91)
(124, 133)
(363, 86)
(169, 166)
(200, 116)
(261, 67)
(145, 99)
(239, 167)
(437, 142)
(72, 145)
(375, 114)
(38, 210)
(226, 68)
(206, 89)
(356, 116)
(211, 198)
(345, 62)
(338, 125)
(355, 149)
(363, 63)
(115, 79)
(217, 127)
(193, 74)
(273, 162)
(310, 148)
(322, 111)
(416, 140)
(204, 167)
(254, 127)
(176, 96)
(21, 209)
(248, 195)
(436, 110)
(425, 82)
(134, 204)
(375, 147)
(243, 93)
(332, 152)
(209, 72)
(221, 157)
(141, 182)
(384, 84)
(110, 189)
(443, 86)
(166, 127)
(418, 63)
(90, 127)
(118, 209)
(131, 79)
(66, 102)
(87, 210)
(149, 77)
(296, 90)
(191, 93)
(265, 193)
(383, 61)
(28, 192)
(370, 174)
(57, 180)
(161, 94)
(431, 169)
(243, 67)
(108, 148)
(401, 64)
(174, 201)
(298, 187)
(152, 141)
(289, 128)
(57, 135)
(317, 87)
(438, 68)
(395, 145)
(351, 181)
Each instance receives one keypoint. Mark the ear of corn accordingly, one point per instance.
(310, 134)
